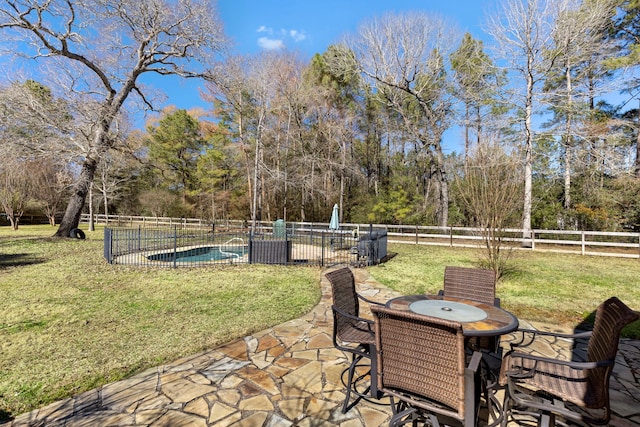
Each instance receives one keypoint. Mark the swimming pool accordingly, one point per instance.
(201, 254)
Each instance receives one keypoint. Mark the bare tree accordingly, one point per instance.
(15, 189)
(34, 123)
(334, 97)
(256, 96)
(489, 191)
(403, 55)
(50, 185)
(101, 49)
(158, 202)
(228, 91)
(523, 30)
(114, 172)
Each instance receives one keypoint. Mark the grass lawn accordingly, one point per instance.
(562, 289)
(70, 322)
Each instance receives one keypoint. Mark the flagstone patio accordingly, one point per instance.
(288, 375)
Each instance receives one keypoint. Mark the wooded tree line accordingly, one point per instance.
(369, 124)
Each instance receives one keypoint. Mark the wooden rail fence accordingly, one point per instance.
(618, 244)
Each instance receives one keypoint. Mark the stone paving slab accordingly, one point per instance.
(288, 375)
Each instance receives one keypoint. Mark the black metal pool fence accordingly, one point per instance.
(179, 246)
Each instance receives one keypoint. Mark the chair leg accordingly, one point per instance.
(403, 417)
(373, 387)
(434, 420)
(506, 403)
(352, 368)
(547, 420)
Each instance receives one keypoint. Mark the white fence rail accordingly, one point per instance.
(619, 244)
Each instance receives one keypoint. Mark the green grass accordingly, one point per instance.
(70, 322)
(555, 288)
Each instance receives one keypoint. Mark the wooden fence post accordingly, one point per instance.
(533, 240)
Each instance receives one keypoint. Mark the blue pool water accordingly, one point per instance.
(205, 253)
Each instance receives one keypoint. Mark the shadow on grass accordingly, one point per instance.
(5, 416)
(632, 330)
(18, 260)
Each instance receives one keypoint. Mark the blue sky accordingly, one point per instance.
(310, 27)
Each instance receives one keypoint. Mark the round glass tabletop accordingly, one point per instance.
(448, 310)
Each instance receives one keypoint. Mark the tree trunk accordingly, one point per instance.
(466, 132)
(246, 158)
(443, 199)
(637, 165)
(567, 172)
(342, 177)
(13, 220)
(567, 142)
(213, 207)
(91, 224)
(71, 217)
(478, 125)
(528, 158)
(105, 198)
(254, 197)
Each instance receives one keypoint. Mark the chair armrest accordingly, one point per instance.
(368, 300)
(534, 332)
(351, 316)
(474, 363)
(527, 373)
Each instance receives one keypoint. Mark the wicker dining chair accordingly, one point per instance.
(475, 284)
(351, 333)
(422, 367)
(574, 390)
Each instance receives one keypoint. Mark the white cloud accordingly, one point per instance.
(276, 39)
(264, 29)
(297, 36)
(270, 44)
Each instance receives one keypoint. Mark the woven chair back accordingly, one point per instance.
(611, 316)
(343, 290)
(470, 283)
(421, 355)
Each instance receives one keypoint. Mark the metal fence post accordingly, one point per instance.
(175, 246)
(130, 242)
(108, 242)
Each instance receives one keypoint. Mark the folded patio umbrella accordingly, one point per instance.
(333, 224)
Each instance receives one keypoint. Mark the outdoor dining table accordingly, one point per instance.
(476, 318)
